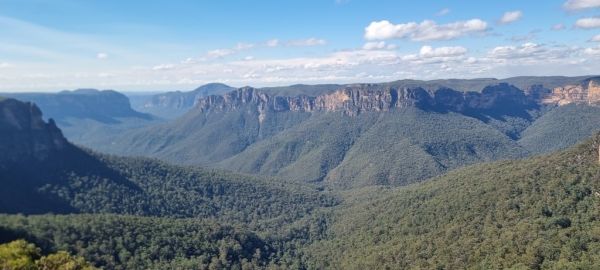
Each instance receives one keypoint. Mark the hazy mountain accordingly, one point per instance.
(105, 106)
(538, 213)
(172, 104)
(88, 116)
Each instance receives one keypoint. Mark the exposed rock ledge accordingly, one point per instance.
(355, 99)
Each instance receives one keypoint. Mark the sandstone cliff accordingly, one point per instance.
(587, 92)
(354, 99)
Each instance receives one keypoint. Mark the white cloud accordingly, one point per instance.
(272, 42)
(105, 75)
(306, 42)
(511, 16)
(337, 67)
(581, 4)
(424, 31)
(188, 60)
(102, 56)
(588, 23)
(163, 67)
(430, 52)
(594, 51)
(509, 52)
(595, 38)
(219, 53)
(532, 52)
(243, 46)
(378, 45)
(373, 62)
(443, 12)
(440, 55)
(471, 60)
(558, 27)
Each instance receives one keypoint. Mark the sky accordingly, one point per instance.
(156, 45)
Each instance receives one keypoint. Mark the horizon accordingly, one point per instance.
(152, 92)
(139, 46)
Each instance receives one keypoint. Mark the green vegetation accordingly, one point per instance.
(43, 173)
(20, 255)
(128, 242)
(80, 181)
(395, 148)
(437, 130)
(134, 242)
(560, 128)
(539, 213)
(138, 213)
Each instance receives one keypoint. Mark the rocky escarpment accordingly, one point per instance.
(586, 92)
(355, 99)
(24, 135)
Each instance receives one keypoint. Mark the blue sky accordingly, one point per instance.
(178, 45)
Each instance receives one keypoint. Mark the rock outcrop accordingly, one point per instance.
(355, 99)
(587, 92)
(24, 135)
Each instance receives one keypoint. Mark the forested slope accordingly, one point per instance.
(538, 213)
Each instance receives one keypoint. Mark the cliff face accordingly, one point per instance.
(352, 100)
(587, 92)
(24, 135)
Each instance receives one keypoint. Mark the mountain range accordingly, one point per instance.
(87, 114)
(172, 104)
(122, 213)
(346, 136)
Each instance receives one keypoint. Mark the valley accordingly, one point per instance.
(299, 135)
(407, 130)
(247, 180)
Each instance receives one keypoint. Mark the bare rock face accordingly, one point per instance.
(24, 135)
(350, 100)
(355, 99)
(588, 92)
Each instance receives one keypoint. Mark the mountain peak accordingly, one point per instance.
(212, 86)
